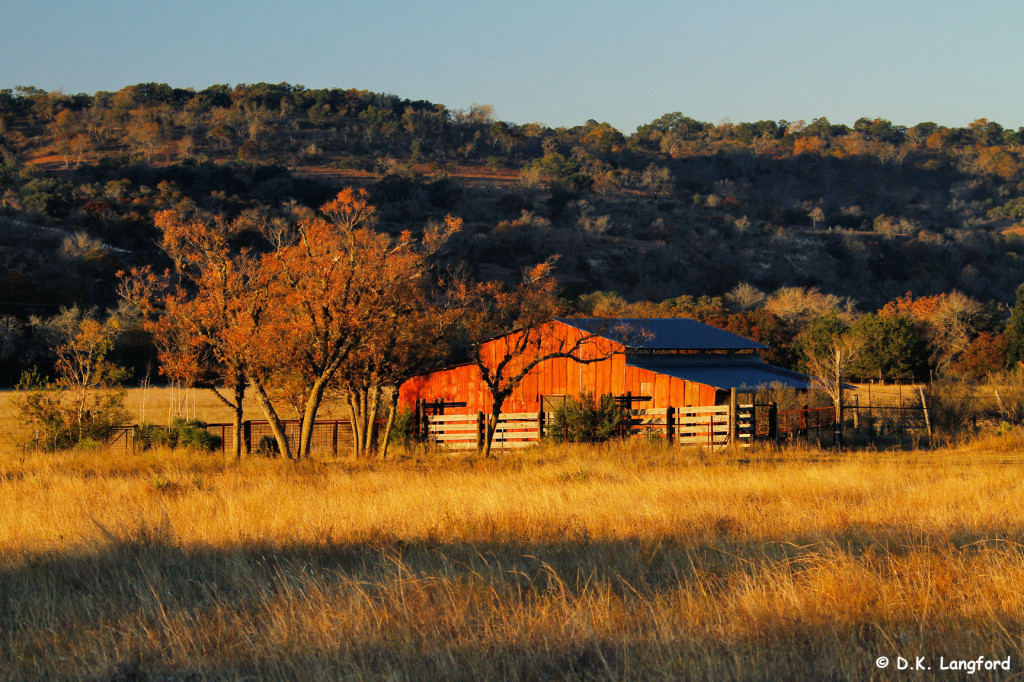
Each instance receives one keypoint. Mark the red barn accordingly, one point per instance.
(677, 362)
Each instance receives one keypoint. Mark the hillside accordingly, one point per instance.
(677, 210)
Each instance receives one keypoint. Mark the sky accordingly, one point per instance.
(552, 62)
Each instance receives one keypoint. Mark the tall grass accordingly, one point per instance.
(615, 561)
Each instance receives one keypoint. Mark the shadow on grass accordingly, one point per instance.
(142, 606)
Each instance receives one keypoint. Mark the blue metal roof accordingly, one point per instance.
(725, 375)
(670, 333)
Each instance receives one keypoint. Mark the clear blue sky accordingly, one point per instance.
(558, 63)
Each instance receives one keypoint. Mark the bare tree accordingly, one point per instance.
(828, 365)
(511, 331)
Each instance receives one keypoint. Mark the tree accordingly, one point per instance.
(986, 355)
(829, 349)
(410, 334)
(892, 347)
(817, 214)
(509, 331)
(1015, 331)
(951, 327)
(86, 401)
(408, 342)
(745, 296)
(337, 281)
(207, 323)
(283, 321)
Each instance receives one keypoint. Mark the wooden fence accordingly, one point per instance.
(704, 426)
(466, 431)
(707, 426)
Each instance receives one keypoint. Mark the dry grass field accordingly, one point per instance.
(625, 561)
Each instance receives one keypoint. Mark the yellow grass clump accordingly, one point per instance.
(624, 561)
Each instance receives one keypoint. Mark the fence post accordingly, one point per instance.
(480, 431)
(670, 424)
(540, 425)
(417, 406)
(901, 415)
(334, 439)
(734, 421)
(753, 419)
(924, 408)
(773, 423)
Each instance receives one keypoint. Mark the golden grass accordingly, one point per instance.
(159, 404)
(628, 561)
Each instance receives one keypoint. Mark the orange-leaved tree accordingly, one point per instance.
(284, 319)
(206, 317)
(345, 291)
(410, 342)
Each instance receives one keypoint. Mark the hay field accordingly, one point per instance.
(626, 561)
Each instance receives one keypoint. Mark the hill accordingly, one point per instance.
(677, 208)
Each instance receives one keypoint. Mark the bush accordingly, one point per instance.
(586, 420)
(404, 428)
(953, 406)
(268, 447)
(192, 433)
(182, 433)
(60, 419)
(149, 435)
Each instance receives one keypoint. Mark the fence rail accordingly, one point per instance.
(705, 426)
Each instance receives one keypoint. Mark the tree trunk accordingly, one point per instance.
(275, 423)
(313, 401)
(239, 398)
(373, 395)
(839, 400)
(236, 408)
(392, 414)
(490, 427)
(357, 430)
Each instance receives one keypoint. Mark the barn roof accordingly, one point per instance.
(671, 333)
(723, 373)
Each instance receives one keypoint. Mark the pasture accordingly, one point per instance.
(619, 561)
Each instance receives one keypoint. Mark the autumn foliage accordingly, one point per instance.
(284, 318)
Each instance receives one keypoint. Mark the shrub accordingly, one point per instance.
(181, 433)
(268, 447)
(402, 432)
(149, 435)
(62, 419)
(953, 406)
(585, 419)
(191, 433)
